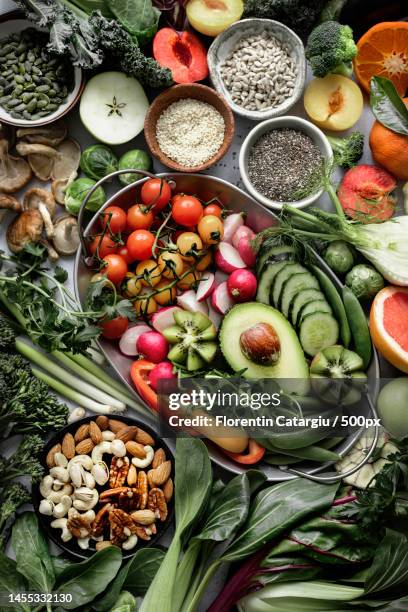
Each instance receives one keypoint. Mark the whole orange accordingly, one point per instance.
(390, 149)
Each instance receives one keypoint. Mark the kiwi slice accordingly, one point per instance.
(193, 338)
(338, 375)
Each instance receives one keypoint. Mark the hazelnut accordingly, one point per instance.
(260, 344)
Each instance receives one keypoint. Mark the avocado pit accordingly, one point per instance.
(261, 344)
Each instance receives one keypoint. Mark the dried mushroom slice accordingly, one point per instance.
(15, 172)
(40, 157)
(25, 229)
(42, 200)
(67, 163)
(66, 235)
(51, 134)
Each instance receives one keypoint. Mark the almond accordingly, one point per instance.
(135, 449)
(132, 475)
(68, 446)
(144, 438)
(116, 426)
(84, 447)
(95, 433)
(143, 517)
(102, 422)
(159, 458)
(168, 489)
(159, 476)
(49, 460)
(127, 433)
(82, 432)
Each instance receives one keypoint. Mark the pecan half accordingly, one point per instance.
(121, 526)
(101, 521)
(108, 494)
(128, 500)
(157, 503)
(145, 532)
(142, 488)
(118, 472)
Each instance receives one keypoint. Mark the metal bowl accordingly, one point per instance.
(259, 218)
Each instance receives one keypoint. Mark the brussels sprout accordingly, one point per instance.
(97, 161)
(136, 159)
(364, 281)
(125, 603)
(339, 256)
(76, 192)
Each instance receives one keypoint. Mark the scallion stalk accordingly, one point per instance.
(88, 364)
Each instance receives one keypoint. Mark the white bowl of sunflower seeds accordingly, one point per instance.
(259, 66)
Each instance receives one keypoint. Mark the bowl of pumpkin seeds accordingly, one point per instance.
(35, 87)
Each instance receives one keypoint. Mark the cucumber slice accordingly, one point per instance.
(335, 302)
(300, 299)
(318, 331)
(113, 107)
(315, 306)
(269, 271)
(295, 284)
(273, 254)
(288, 270)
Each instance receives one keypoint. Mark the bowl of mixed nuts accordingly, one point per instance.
(107, 482)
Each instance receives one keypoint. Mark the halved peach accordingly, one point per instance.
(210, 17)
(334, 102)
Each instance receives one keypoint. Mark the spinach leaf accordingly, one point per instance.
(135, 576)
(85, 580)
(387, 105)
(11, 582)
(32, 555)
(139, 17)
(59, 564)
(125, 603)
(390, 566)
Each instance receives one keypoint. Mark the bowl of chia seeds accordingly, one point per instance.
(259, 66)
(281, 161)
(36, 87)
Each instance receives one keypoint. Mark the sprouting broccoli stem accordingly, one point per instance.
(12, 497)
(347, 151)
(24, 462)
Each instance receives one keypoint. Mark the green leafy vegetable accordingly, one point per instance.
(390, 567)
(77, 191)
(387, 106)
(24, 462)
(139, 17)
(300, 16)
(125, 603)
(347, 150)
(12, 582)
(98, 161)
(12, 497)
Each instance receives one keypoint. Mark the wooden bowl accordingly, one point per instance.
(180, 92)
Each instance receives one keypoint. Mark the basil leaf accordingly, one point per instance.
(32, 555)
(387, 105)
(11, 582)
(85, 580)
(135, 576)
(390, 565)
(274, 510)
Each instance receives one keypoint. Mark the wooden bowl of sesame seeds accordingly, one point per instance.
(188, 128)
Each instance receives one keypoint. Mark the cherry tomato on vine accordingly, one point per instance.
(115, 268)
(139, 244)
(124, 252)
(171, 264)
(149, 271)
(156, 193)
(213, 209)
(115, 217)
(167, 294)
(114, 328)
(102, 246)
(139, 217)
(189, 241)
(211, 229)
(186, 210)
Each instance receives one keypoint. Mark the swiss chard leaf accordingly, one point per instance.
(11, 581)
(32, 556)
(387, 105)
(389, 569)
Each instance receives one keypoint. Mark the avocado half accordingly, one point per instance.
(292, 362)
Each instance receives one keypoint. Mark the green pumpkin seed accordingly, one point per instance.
(12, 103)
(20, 108)
(4, 100)
(42, 104)
(43, 89)
(52, 107)
(27, 96)
(30, 87)
(27, 115)
(32, 105)
(52, 93)
(15, 68)
(17, 91)
(19, 79)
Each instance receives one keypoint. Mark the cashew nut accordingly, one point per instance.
(75, 473)
(100, 449)
(142, 463)
(87, 501)
(57, 485)
(83, 543)
(130, 542)
(61, 523)
(100, 472)
(46, 485)
(118, 448)
(59, 473)
(46, 507)
(62, 508)
(89, 515)
(56, 496)
(83, 460)
(76, 414)
(108, 435)
(60, 460)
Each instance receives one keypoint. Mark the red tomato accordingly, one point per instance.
(157, 193)
(115, 268)
(116, 217)
(139, 217)
(115, 328)
(139, 244)
(103, 246)
(213, 209)
(186, 210)
(124, 252)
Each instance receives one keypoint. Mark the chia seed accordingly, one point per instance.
(282, 164)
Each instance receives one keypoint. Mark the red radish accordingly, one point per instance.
(246, 251)
(242, 285)
(221, 300)
(153, 346)
(161, 371)
(242, 231)
(231, 225)
(127, 343)
(227, 258)
(205, 286)
(164, 318)
(215, 316)
(188, 301)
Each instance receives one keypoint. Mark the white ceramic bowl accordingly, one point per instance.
(225, 43)
(295, 123)
(17, 25)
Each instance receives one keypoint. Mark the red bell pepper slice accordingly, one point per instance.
(255, 454)
(139, 373)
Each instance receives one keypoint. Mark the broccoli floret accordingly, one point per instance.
(11, 498)
(347, 151)
(297, 15)
(7, 334)
(330, 49)
(24, 462)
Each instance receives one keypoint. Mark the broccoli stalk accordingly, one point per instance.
(11, 498)
(24, 462)
(330, 48)
(347, 151)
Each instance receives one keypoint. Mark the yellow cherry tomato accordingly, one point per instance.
(171, 264)
(189, 280)
(211, 229)
(150, 271)
(189, 243)
(166, 296)
(132, 285)
(204, 262)
(145, 306)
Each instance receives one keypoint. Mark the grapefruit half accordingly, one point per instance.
(389, 325)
